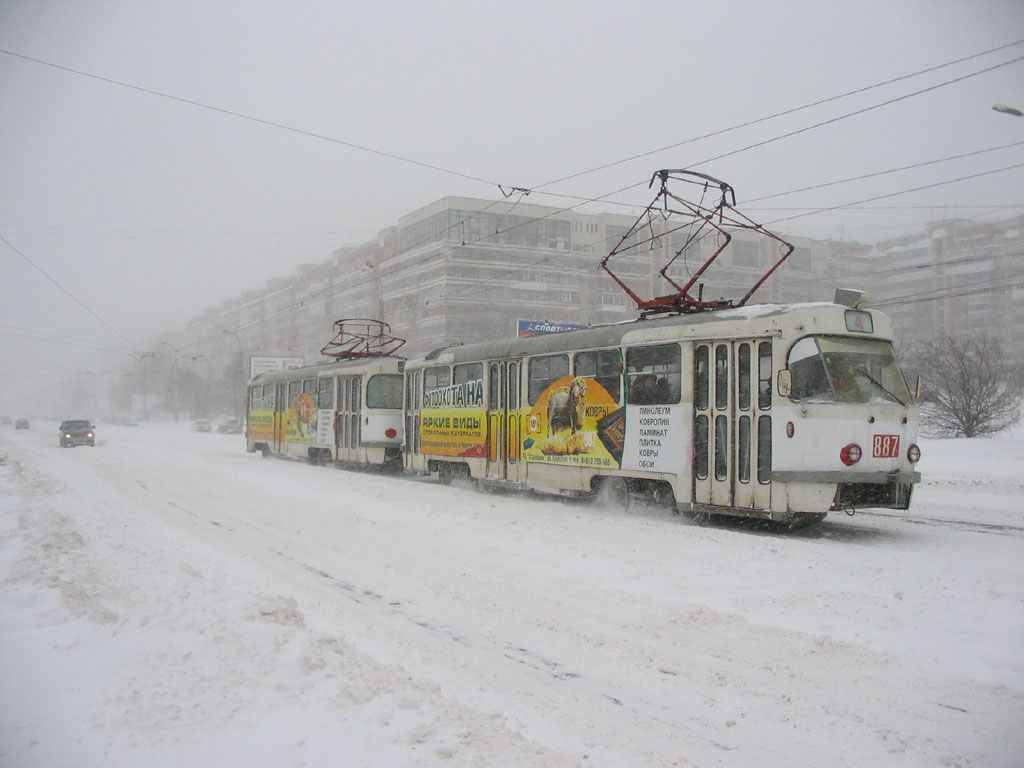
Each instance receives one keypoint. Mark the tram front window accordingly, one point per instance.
(838, 369)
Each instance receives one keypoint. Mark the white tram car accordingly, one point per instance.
(782, 413)
(347, 412)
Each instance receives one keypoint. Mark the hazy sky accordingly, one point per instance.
(200, 148)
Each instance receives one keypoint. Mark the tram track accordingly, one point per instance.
(974, 526)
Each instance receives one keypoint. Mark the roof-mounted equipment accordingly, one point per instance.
(357, 337)
(669, 214)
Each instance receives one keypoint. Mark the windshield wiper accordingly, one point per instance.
(879, 384)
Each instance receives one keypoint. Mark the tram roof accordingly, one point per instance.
(614, 335)
(327, 366)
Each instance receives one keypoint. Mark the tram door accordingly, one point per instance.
(347, 434)
(503, 421)
(280, 416)
(732, 423)
(412, 414)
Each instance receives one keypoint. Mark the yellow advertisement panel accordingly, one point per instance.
(453, 421)
(575, 422)
(261, 425)
(454, 432)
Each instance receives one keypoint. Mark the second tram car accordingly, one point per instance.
(775, 412)
(349, 412)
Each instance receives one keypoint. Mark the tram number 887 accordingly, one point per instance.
(886, 446)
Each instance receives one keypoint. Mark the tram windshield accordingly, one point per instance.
(840, 369)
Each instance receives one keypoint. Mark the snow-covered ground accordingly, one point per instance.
(170, 600)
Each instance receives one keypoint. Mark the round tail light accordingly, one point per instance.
(913, 454)
(391, 432)
(850, 454)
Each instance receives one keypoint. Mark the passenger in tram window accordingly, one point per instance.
(644, 391)
(662, 391)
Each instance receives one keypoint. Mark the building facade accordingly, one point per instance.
(956, 277)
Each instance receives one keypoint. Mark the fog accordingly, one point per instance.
(157, 159)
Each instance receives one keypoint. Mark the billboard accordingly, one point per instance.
(536, 327)
(259, 365)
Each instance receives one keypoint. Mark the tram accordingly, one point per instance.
(346, 411)
(711, 407)
(777, 412)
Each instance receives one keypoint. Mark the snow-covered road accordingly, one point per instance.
(170, 600)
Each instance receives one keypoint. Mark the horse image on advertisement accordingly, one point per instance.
(566, 408)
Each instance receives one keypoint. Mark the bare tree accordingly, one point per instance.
(973, 387)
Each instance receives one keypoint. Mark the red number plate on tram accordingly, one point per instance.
(886, 446)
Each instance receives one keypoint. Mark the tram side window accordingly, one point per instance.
(468, 372)
(764, 449)
(294, 390)
(743, 376)
(262, 398)
(721, 447)
(413, 395)
(342, 394)
(602, 366)
(654, 374)
(384, 391)
(309, 386)
(325, 395)
(436, 377)
(544, 371)
(494, 390)
(764, 375)
(721, 377)
(701, 379)
(743, 449)
(700, 447)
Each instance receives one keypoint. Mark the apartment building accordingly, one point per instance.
(956, 276)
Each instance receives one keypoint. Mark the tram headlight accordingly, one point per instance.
(850, 454)
(913, 453)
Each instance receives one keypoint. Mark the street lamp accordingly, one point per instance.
(1007, 110)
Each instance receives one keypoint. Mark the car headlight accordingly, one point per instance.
(90, 435)
(67, 437)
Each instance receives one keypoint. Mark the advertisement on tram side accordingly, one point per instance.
(575, 422)
(261, 425)
(453, 420)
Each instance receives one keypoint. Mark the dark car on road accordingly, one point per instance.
(230, 427)
(21, 424)
(76, 432)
